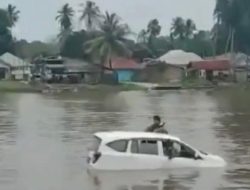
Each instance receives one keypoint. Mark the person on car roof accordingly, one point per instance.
(157, 126)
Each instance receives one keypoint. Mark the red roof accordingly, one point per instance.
(123, 63)
(211, 65)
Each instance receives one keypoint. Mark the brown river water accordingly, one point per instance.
(44, 138)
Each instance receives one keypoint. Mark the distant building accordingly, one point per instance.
(86, 72)
(240, 63)
(18, 69)
(4, 70)
(210, 69)
(62, 70)
(124, 68)
(161, 72)
(179, 58)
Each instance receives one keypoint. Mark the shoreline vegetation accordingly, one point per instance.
(24, 87)
(105, 35)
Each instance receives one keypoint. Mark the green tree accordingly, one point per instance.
(13, 14)
(4, 19)
(154, 29)
(232, 25)
(73, 46)
(6, 40)
(34, 49)
(190, 27)
(91, 15)
(178, 28)
(64, 17)
(142, 36)
(111, 41)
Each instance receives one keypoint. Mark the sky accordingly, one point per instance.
(37, 18)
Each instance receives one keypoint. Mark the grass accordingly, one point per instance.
(128, 87)
(196, 83)
(16, 86)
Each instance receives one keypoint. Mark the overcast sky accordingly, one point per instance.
(37, 18)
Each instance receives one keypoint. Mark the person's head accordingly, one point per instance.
(157, 119)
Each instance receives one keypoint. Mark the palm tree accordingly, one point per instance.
(13, 14)
(65, 16)
(154, 29)
(91, 14)
(111, 41)
(178, 29)
(190, 27)
(234, 16)
(142, 37)
(4, 19)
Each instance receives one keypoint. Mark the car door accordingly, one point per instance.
(145, 154)
(179, 155)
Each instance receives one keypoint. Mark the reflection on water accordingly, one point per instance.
(44, 139)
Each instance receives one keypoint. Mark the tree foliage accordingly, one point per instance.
(13, 14)
(64, 17)
(90, 14)
(111, 40)
(232, 27)
(6, 40)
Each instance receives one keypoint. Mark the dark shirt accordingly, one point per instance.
(157, 128)
(161, 130)
(152, 127)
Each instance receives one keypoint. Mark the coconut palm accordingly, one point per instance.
(111, 40)
(142, 37)
(5, 33)
(13, 14)
(234, 16)
(190, 27)
(178, 29)
(91, 14)
(4, 19)
(65, 16)
(154, 29)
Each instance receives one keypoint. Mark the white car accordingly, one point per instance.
(146, 151)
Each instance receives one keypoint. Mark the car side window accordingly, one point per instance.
(186, 152)
(177, 149)
(148, 147)
(119, 146)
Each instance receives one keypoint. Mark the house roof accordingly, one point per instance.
(13, 60)
(210, 65)
(153, 62)
(179, 57)
(237, 59)
(124, 63)
(76, 65)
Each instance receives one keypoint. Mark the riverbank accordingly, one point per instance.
(18, 87)
(24, 87)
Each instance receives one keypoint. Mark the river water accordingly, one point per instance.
(44, 138)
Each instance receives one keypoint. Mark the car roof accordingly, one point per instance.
(117, 135)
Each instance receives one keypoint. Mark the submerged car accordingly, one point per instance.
(146, 151)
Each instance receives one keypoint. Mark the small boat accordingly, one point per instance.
(119, 151)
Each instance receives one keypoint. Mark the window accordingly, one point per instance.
(144, 147)
(187, 152)
(119, 146)
(177, 149)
